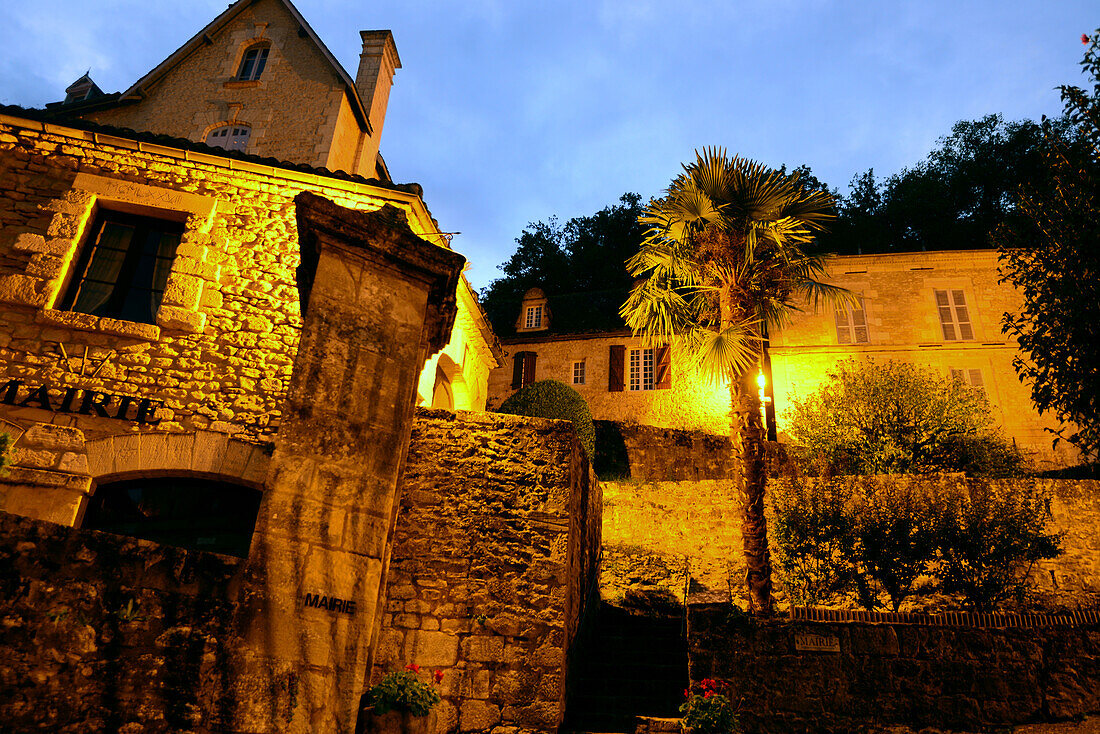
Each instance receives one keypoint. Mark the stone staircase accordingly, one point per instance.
(629, 666)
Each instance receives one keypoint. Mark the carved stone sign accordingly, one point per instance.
(817, 643)
(331, 603)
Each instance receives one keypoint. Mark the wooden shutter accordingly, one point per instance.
(662, 364)
(517, 371)
(529, 367)
(616, 360)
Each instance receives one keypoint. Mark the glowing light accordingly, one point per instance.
(761, 380)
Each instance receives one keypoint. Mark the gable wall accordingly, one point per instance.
(293, 108)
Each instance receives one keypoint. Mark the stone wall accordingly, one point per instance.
(100, 633)
(493, 559)
(954, 677)
(698, 524)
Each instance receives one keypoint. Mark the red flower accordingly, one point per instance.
(438, 675)
(1084, 38)
(708, 694)
(413, 667)
(687, 693)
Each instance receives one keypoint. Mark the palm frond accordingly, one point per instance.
(717, 354)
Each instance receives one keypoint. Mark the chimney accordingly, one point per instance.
(377, 64)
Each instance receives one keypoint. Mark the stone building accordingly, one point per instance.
(937, 309)
(218, 315)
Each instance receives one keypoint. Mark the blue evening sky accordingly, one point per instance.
(510, 112)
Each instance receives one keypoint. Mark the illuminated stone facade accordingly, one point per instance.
(302, 107)
(900, 320)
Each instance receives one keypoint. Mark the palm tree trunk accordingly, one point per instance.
(747, 434)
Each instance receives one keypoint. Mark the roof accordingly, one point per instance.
(136, 92)
(592, 312)
(51, 117)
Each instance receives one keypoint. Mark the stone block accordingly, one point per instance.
(477, 716)
(431, 649)
(66, 319)
(73, 463)
(53, 437)
(183, 291)
(181, 319)
(22, 289)
(131, 329)
(481, 648)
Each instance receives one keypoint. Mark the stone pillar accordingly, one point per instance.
(376, 302)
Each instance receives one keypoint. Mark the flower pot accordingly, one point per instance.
(397, 722)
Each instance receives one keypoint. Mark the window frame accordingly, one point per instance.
(233, 136)
(532, 317)
(850, 328)
(579, 376)
(124, 283)
(641, 369)
(251, 69)
(949, 303)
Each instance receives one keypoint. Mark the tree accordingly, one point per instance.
(585, 254)
(951, 200)
(725, 256)
(1053, 257)
(897, 418)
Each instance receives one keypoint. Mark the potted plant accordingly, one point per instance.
(707, 708)
(401, 702)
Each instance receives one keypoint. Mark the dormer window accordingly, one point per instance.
(252, 65)
(533, 319)
(230, 137)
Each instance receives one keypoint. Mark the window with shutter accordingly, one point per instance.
(971, 377)
(851, 324)
(954, 315)
(616, 360)
(523, 369)
(662, 377)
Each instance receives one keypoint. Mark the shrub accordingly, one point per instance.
(813, 536)
(402, 690)
(708, 709)
(894, 540)
(895, 417)
(876, 537)
(990, 539)
(553, 399)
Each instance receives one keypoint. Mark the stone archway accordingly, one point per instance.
(199, 454)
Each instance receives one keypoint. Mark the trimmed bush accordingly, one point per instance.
(553, 399)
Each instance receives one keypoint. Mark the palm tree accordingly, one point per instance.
(724, 259)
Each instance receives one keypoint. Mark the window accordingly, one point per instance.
(533, 320)
(230, 137)
(641, 369)
(523, 369)
(954, 316)
(851, 324)
(971, 377)
(252, 65)
(191, 513)
(578, 373)
(124, 267)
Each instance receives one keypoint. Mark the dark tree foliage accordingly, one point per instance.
(585, 254)
(1053, 256)
(952, 200)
